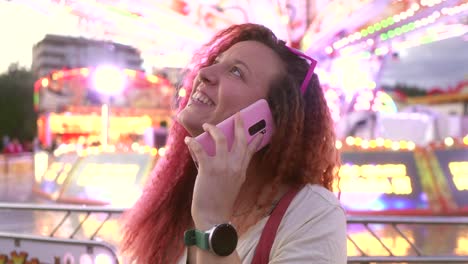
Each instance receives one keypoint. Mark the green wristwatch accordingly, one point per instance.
(221, 239)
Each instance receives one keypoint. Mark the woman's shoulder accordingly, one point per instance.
(313, 229)
(317, 195)
(313, 201)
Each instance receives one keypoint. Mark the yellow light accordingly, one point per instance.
(97, 175)
(111, 148)
(350, 141)
(146, 149)
(154, 151)
(370, 178)
(387, 143)
(67, 167)
(373, 143)
(95, 151)
(462, 246)
(102, 259)
(182, 92)
(61, 178)
(459, 171)
(358, 141)
(45, 82)
(41, 162)
(448, 141)
(84, 72)
(411, 145)
(338, 144)
(130, 73)
(135, 146)
(403, 144)
(162, 151)
(152, 79)
(395, 146)
(365, 144)
(50, 175)
(465, 140)
(380, 142)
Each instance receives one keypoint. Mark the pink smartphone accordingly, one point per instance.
(257, 118)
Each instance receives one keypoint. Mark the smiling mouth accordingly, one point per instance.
(202, 98)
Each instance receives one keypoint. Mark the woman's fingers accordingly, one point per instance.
(255, 143)
(239, 133)
(219, 139)
(196, 150)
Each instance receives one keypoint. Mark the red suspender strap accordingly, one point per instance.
(262, 252)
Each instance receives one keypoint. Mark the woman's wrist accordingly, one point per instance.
(207, 222)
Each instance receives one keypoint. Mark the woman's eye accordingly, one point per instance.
(236, 71)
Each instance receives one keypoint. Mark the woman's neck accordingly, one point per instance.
(257, 196)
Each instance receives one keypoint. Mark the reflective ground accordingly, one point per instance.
(375, 240)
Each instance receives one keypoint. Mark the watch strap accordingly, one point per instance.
(195, 237)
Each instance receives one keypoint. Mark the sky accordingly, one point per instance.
(15, 44)
(21, 27)
(442, 63)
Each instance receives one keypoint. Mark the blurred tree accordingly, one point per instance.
(17, 115)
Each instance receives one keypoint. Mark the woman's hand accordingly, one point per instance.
(220, 177)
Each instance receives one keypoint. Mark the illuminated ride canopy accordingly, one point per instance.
(69, 103)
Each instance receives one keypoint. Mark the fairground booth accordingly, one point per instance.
(105, 127)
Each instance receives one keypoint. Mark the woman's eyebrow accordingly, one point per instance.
(237, 61)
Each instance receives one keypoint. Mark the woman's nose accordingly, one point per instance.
(208, 75)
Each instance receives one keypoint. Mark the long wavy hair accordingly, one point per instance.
(302, 151)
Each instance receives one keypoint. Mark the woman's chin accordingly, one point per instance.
(193, 127)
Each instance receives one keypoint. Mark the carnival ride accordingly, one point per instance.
(388, 140)
(104, 136)
(397, 159)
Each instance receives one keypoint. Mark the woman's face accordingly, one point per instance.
(239, 76)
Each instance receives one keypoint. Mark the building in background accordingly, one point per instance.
(62, 52)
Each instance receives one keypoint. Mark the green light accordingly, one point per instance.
(377, 27)
(427, 39)
(370, 29)
(379, 51)
(383, 36)
(384, 23)
(391, 34)
(390, 21)
(411, 26)
(364, 32)
(398, 31)
(365, 55)
(405, 28)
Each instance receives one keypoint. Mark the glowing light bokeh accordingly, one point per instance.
(109, 80)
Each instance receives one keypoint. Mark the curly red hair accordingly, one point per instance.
(302, 151)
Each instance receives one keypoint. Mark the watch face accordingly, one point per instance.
(223, 240)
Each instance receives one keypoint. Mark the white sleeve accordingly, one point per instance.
(320, 238)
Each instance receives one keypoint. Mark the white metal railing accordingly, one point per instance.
(395, 223)
(40, 249)
(107, 214)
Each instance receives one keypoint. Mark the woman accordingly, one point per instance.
(240, 187)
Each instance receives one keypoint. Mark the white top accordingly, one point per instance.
(313, 230)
